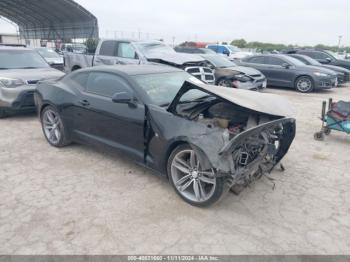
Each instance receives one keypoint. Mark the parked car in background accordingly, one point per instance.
(286, 71)
(112, 52)
(204, 138)
(229, 74)
(51, 57)
(342, 73)
(231, 51)
(193, 50)
(322, 56)
(20, 70)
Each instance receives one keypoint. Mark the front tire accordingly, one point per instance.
(224, 82)
(196, 186)
(53, 127)
(304, 84)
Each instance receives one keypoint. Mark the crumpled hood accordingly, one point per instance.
(175, 58)
(246, 70)
(32, 74)
(270, 104)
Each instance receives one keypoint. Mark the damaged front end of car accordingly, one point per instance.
(239, 135)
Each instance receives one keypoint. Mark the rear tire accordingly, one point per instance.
(304, 84)
(53, 127)
(195, 186)
(224, 82)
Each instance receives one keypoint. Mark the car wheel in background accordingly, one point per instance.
(53, 127)
(304, 84)
(225, 82)
(196, 186)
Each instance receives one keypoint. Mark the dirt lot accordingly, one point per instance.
(78, 200)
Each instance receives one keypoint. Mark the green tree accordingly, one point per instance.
(240, 43)
(91, 45)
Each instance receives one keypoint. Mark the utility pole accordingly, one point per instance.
(339, 41)
(173, 41)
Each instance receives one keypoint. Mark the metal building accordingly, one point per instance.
(50, 19)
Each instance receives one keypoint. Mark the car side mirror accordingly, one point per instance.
(286, 65)
(225, 52)
(328, 60)
(123, 98)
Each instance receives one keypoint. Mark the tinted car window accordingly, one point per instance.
(162, 88)
(315, 55)
(275, 61)
(106, 84)
(321, 55)
(108, 48)
(80, 79)
(257, 60)
(126, 50)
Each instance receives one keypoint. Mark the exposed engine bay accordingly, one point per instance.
(252, 142)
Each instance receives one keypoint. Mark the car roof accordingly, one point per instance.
(132, 70)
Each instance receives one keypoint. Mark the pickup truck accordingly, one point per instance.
(111, 52)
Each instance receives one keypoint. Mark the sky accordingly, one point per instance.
(302, 22)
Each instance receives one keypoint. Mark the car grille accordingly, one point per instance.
(32, 82)
(259, 75)
(260, 80)
(28, 100)
(203, 73)
(347, 77)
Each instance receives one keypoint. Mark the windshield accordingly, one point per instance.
(311, 61)
(219, 61)
(18, 59)
(47, 53)
(293, 61)
(162, 88)
(152, 48)
(233, 48)
(332, 54)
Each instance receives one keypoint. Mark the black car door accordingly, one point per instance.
(257, 62)
(280, 72)
(118, 125)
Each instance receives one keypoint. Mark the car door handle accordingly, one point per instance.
(84, 103)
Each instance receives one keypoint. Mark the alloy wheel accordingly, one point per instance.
(304, 84)
(52, 126)
(190, 180)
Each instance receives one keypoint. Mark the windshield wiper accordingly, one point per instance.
(28, 67)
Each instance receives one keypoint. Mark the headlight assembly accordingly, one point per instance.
(320, 74)
(10, 82)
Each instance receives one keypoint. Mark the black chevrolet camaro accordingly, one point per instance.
(205, 139)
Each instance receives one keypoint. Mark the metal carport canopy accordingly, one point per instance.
(50, 19)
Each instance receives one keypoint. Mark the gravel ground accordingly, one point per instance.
(79, 200)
